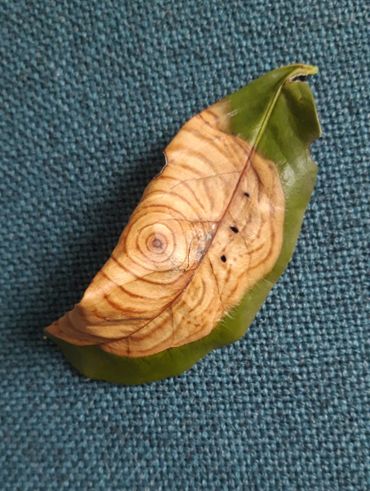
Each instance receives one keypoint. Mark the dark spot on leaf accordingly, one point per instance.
(234, 229)
(223, 258)
(247, 194)
(157, 243)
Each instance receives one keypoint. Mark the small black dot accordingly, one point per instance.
(223, 258)
(247, 194)
(234, 229)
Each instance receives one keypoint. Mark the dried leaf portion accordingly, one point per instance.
(207, 228)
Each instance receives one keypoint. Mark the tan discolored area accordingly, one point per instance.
(207, 228)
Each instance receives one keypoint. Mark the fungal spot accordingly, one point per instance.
(247, 194)
(234, 229)
(157, 243)
(223, 258)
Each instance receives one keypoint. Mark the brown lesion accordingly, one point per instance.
(221, 209)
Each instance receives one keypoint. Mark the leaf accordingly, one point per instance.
(208, 239)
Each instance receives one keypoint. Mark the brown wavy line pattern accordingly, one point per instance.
(207, 228)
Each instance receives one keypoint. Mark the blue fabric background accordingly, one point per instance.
(90, 93)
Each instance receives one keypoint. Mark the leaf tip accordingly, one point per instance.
(301, 72)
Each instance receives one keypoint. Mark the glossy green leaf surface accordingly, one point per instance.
(276, 113)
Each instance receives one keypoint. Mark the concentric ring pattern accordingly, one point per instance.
(207, 228)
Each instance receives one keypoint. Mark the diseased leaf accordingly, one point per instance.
(209, 237)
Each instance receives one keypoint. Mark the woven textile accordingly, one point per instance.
(90, 93)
